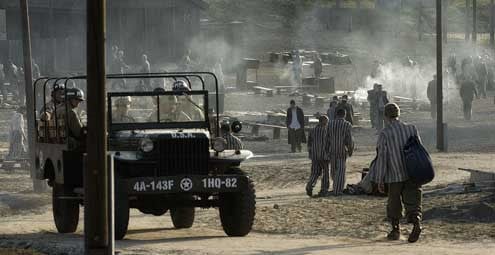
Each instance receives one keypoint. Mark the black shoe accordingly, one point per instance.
(416, 231)
(309, 191)
(323, 194)
(395, 233)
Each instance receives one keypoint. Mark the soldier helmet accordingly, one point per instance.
(75, 93)
(180, 86)
(123, 101)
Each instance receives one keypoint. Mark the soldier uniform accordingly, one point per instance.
(468, 92)
(319, 157)
(67, 114)
(340, 146)
(349, 111)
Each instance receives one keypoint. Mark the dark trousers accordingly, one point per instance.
(467, 108)
(433, 110)
(337, 166)
(379, 120)
(408, 193)
(319, 167)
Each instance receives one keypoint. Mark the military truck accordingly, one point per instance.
(168, 156)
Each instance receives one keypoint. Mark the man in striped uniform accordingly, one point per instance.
(340, 146)
(319, 157)
(390, 169)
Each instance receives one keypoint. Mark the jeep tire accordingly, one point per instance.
(121, 209)
(65, 211)
(237, 210)
(182, 217)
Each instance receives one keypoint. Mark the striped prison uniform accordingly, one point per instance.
(319, 157)
(390, 169)
(340, 146)
(233, 143)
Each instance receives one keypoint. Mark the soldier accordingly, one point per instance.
(57, 97)
(121, 113)
(233, 142)
(186, 102)
(380, 101)
(468, 92)
(11, 75)
(482, 74)
(119, 67)
(431, 93)
(168, 109)
(317, 143)
(390, 170)
(340, 146)
(68, 115)
(331, 108)
(35, 69)
(349, 111)
(295, 125)
(372, 102)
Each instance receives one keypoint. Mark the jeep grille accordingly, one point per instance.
(184, 156)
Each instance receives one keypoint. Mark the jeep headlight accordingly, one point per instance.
(219, 144)
(146, 145)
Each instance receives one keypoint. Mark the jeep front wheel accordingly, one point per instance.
(182, 217)
(237, 210)
(65, 211)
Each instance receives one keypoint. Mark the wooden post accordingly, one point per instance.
(475, 30)
(440, 126)
(492, 24)
(358, 4)
(466, 32)
(97, 194)
(445, 20)
(338, 3)
(38, 185)
(420, 20)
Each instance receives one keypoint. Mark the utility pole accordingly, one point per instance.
(38, 185)
(445, 21)
(97, 195)
(492, 24)
(475, 30)
(466, 32)
(440, 126)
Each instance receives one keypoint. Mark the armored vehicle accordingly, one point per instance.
(168, 156)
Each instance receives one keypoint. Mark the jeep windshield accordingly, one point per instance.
(157, 110)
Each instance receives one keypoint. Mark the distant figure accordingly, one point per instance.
(379, 101)
(349, 110)
(297, 68)
(295, 125)
(482, 74)
(121, 112)
(372, 102)
(119, 67)
(186, 63)
(468, 92)
(332, 107)
(317, 152)
(3, 88)
(390, 170)
(431, 93)
(375, 69)
(341, 146)
(11, 76)
(57, 98)
(145, 68)
(317, 66)
(17, 135)
(452, 64)
(35, 70)
(233, 142)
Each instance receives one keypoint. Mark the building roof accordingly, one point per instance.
(80, 5)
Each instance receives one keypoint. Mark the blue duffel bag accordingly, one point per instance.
(418, 162)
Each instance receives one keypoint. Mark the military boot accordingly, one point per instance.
(395, 233)
(416, 231)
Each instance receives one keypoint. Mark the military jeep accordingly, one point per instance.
(167, 155)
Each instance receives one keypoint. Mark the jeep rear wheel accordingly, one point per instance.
(237, 210)
(121, 209)
(182, 217)
(65, 211)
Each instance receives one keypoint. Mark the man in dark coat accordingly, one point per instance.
(468, 92)
(431, 93)
(482, 73)
(380, 101)
(371, 100)
(295, 125)
(349, 111)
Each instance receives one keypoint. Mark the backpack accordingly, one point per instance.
(418, 162)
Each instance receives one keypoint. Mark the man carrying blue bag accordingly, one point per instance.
(392, 163)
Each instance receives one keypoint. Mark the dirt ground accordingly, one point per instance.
(287, 221)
